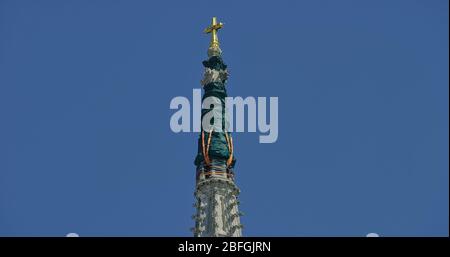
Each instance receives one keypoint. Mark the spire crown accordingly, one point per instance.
(214, 45)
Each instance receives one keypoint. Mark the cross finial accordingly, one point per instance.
(213, 30)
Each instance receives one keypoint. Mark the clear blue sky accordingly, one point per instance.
(85, 142)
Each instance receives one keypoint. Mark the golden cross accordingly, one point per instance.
(213, 30)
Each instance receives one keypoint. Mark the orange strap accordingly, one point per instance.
(205, 150)
(205, 157)
(209, 142)
(230, 148)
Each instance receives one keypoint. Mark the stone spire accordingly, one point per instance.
(216, 193)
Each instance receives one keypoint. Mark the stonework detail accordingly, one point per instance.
(217, 208)
(211, 75)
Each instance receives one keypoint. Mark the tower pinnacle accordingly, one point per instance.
(217, 210)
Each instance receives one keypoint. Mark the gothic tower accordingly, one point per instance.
(216, 194)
